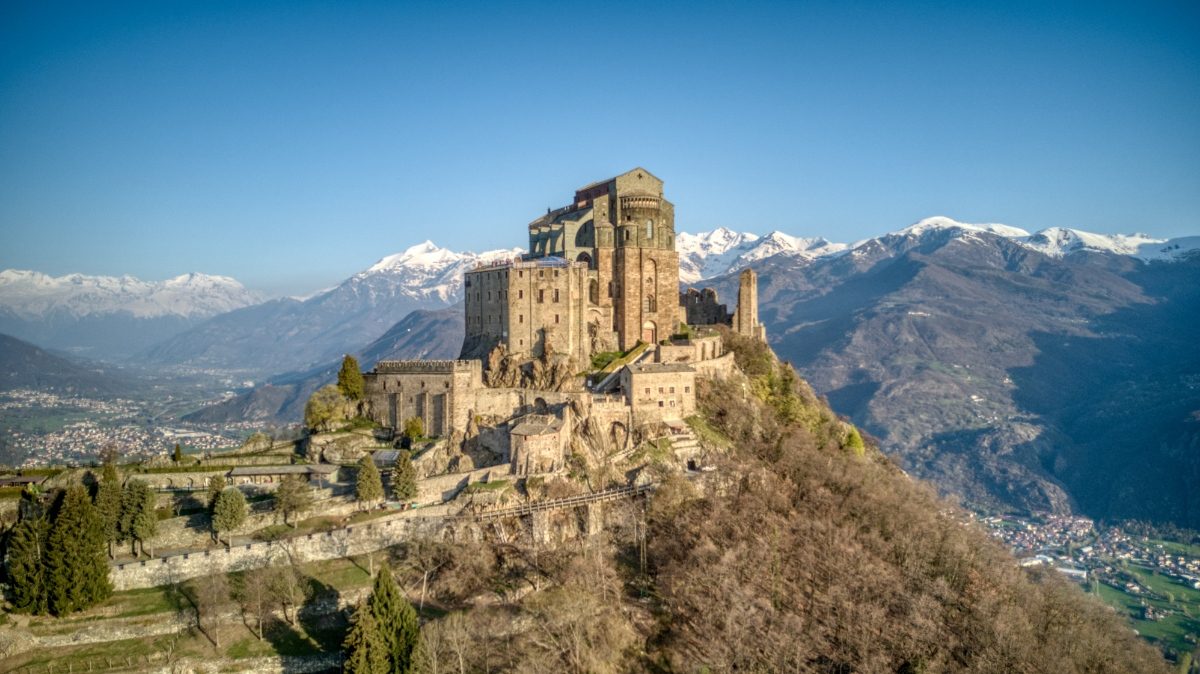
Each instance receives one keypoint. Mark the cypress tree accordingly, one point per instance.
(404, 478)
(364, 647)
(216, 485)
(76, 571)
(350, 379)
(368, 487)
(27, 565)
(178, 454)
(108, 504)
(139, 523)
(229, 512)
(398, 624)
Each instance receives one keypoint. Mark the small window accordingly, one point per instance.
(647, 390)
(541, 296)
(672, 403)
(446, 384)
(687, 389)
(660, 403)
(556, 319)
(520, 294)
(520, 318)
(556, 293)
(672, 389)
(660, 390)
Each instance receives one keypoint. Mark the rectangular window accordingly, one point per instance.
(556, 319)
(672, 389)
(687, 389)
(541, 296)
(520, 318)
(647, 390)
(660, 390)
(520, 294)
(660, 403)
(672, 403)
(556, 294)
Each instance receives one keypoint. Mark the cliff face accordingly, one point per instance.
(803, 551)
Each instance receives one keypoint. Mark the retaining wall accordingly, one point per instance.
(353, 540)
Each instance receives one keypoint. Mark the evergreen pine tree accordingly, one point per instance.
(139, 522)
(216, 485)
(368, 487)
(76, 569)
(350, 379)
(229, 512)
(108, 504)
(178, 454)
(364, 648)
(404, 478)
(397, 619)
(27, 565)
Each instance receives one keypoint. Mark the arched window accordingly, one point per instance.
(649, 230)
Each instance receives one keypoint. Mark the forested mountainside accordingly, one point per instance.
(807, 553)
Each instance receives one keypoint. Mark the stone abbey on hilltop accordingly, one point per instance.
(601, 278)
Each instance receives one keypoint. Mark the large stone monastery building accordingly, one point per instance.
(601, 274)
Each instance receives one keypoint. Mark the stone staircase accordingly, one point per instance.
(685, 445)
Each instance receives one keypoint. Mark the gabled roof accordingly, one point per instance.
(609, 180)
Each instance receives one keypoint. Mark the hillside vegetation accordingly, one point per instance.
(804, 552)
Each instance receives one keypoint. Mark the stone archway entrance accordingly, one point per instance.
(649, 332)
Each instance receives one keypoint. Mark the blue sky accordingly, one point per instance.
(291, 144)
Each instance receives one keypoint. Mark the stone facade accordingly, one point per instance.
(660, 391)
(436, 391)
(539, 444)
(528, 307)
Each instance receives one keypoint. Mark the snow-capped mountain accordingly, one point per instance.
(426, 271)
(111, 317)
(32, 295)
(290, 334)
(712, 254)
(1054, 242)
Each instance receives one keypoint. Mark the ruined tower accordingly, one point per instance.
(745, 319)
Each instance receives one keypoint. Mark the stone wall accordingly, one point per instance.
(353, 540)
(437, 392)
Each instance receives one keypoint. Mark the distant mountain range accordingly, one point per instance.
(1019, 370)
(1046, 372)
(422, 334)
(110, 317)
